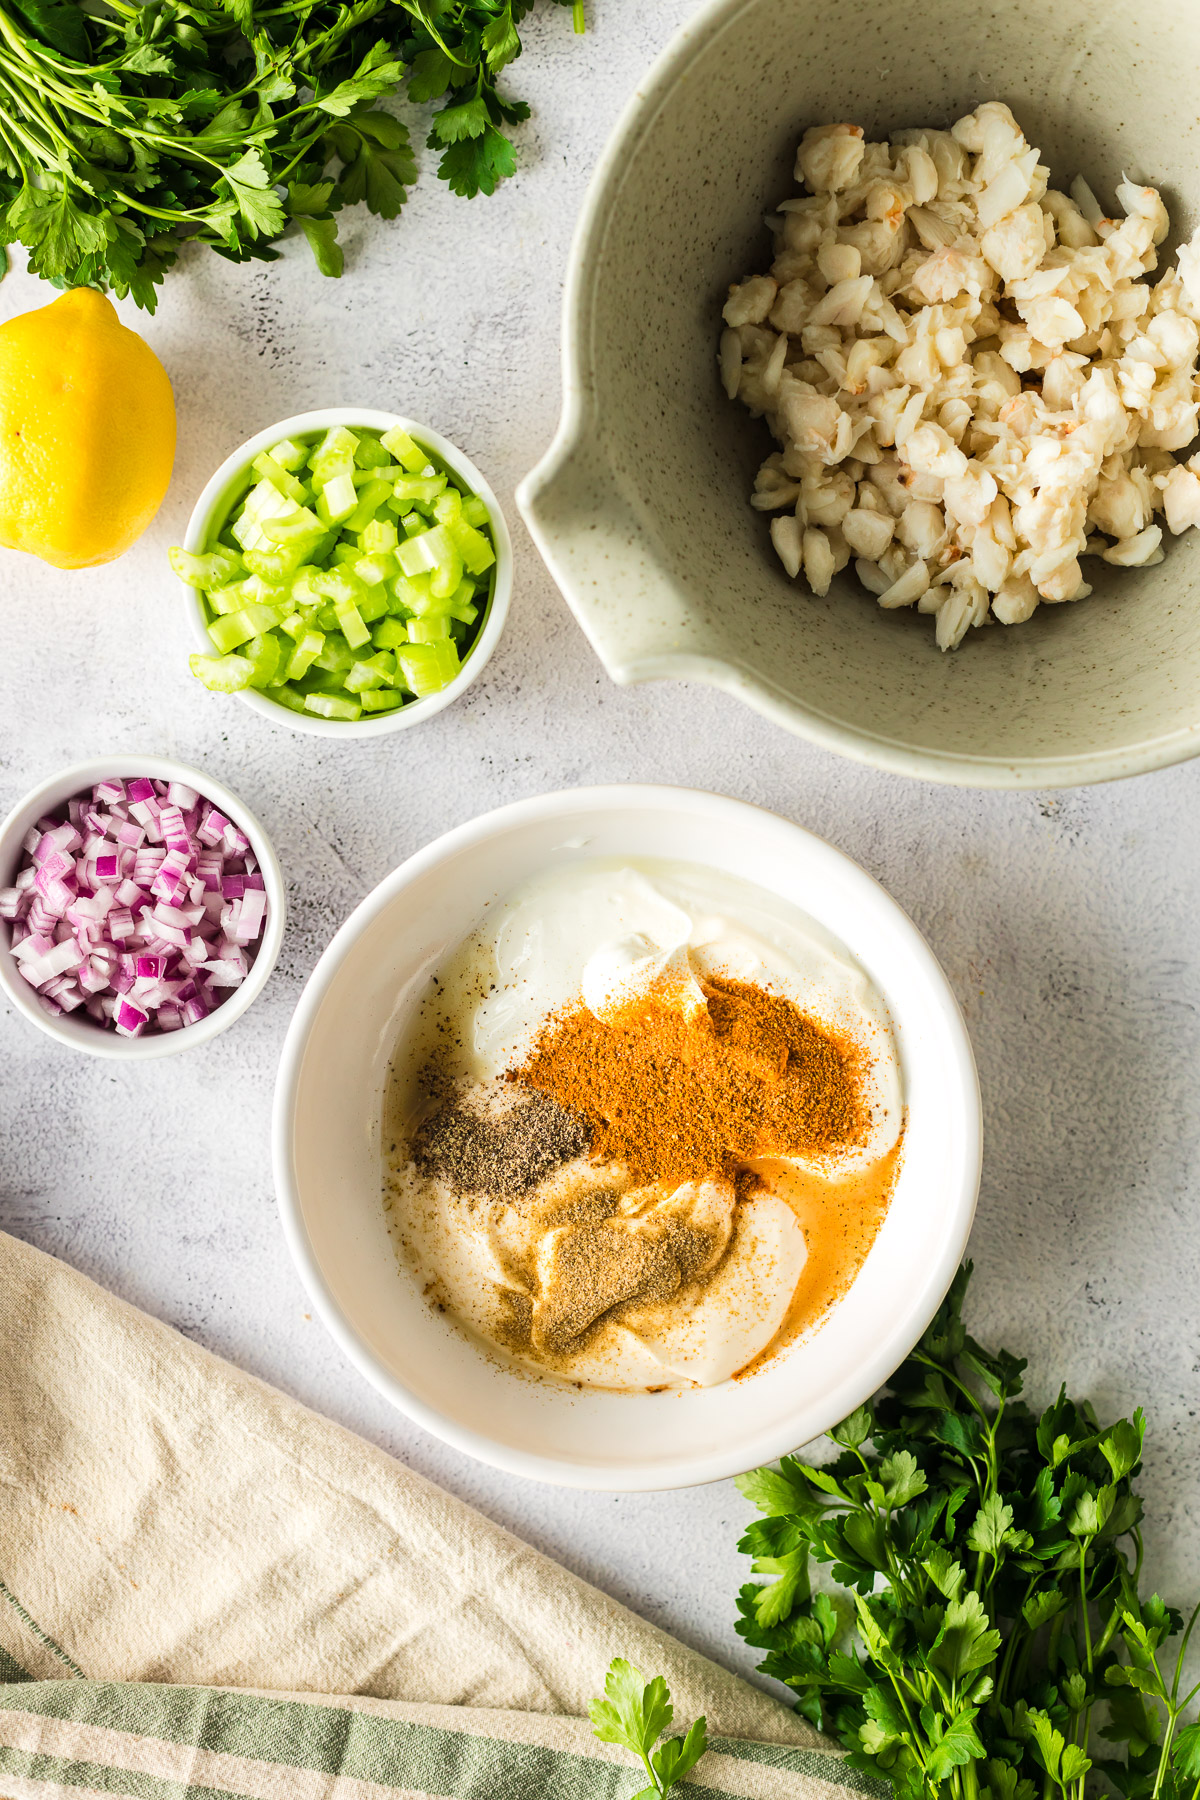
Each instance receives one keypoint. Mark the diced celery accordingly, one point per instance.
(265, 655)
(388, 471)
(371, 453)
(413, 593)
(446, 579)
(221, 674)
(428, 668)
(351, 622)
(336, 654)
(276, 565)
(340, 583)
(262, 502)
(373, 569)
(371, 672)
(290, 698)
(476, 552)
(308, 648)
(274, 472)
(379, 537)
(345, 570)
(237, 628)
(404, 449)
(305, 591)
(389, 634)
(216, 568)
(427, 551)
(337, 500)
(290, 454)
(370, 499)
(332, 706)
(298, 527)
(463, 595)
(373, 605)
(425, 488)
(429, 630)
(337, 446)
(229, 599)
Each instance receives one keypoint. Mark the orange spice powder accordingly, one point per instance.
(676, 1097)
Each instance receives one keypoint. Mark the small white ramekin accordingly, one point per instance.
(77, 1030)
(213, 506)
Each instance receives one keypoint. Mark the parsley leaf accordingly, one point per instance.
(165, 130)
(993, 1558)
(634, 1713)
(475, 165)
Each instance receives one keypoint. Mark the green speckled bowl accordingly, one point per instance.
(640, 507)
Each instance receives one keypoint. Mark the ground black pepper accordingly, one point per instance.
(504, 1152)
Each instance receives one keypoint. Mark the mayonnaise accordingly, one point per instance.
(604, 932)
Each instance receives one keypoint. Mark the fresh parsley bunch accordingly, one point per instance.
(133, 125)
(991, 1644)
(635, 1713)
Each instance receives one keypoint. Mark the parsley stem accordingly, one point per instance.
(1179, 1659)
(577, 15)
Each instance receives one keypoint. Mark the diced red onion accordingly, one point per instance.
(142, 905)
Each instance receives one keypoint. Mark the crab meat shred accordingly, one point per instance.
(971, 383)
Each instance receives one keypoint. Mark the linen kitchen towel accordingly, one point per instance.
(208, 1590)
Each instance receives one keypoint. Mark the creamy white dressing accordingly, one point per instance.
(605, 932)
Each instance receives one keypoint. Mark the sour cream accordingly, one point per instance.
(603, 933)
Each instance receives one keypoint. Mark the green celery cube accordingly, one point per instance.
(428, 668)
(405, 450)
(338, 499)
(332, 706)
(221, 674)
(429, 630)
(371, 453)
(351, 622)
(389, 634)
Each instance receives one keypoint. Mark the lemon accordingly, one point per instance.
(87, 432)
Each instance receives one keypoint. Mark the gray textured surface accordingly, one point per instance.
(1067, 924)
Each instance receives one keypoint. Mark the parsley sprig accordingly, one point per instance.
(989, 1641)
(635, 1713)
(130, 127)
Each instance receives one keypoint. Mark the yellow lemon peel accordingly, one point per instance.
(87, 432)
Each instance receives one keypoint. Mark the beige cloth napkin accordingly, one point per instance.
(165, 1518)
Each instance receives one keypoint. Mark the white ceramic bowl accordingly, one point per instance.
(77, 1030)
(226, 485)
(328, 1161)
(641, 506)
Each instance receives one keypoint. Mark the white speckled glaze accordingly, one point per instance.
(640, 507)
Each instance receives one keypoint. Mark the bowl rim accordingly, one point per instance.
(715, 810)
(96, 1040)
(325, 418)
(579, 427)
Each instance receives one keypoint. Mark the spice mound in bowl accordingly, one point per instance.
(646, 1128)
(137, 903)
